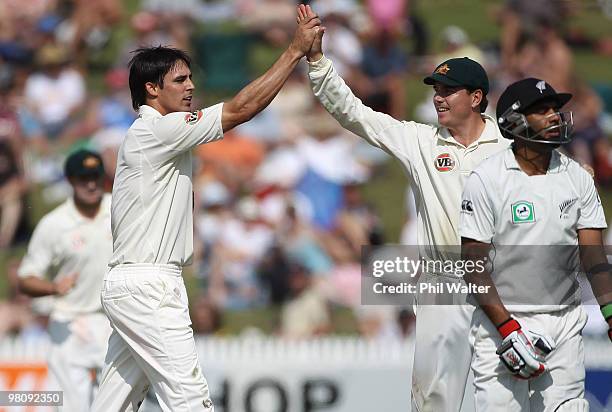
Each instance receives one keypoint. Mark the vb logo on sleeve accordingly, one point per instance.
(523, 212)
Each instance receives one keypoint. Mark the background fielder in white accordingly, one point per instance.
(144, 294)
(66, 259)
(437, 160)
(530, 195)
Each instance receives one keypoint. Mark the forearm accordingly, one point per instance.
(490, 302)
(340, 101)
(258, 94)
(36, 287)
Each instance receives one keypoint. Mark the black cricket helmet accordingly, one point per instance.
(518, 98)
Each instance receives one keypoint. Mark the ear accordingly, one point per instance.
(152, 89)
(476, 98)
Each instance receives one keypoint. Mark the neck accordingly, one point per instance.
(89, 211)
(468, 132)
(154, 104)
(531, 161)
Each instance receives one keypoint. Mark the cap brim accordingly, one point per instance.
(88, 173)
(560, 99)
(431, 80)
(563, 98)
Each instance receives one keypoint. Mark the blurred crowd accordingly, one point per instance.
(280, 212)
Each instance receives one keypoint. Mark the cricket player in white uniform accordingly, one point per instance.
(437, 160)
(66, 259)
(528, 350)
(144, 295)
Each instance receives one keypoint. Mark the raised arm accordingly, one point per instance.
(260, 92)
(377, 128)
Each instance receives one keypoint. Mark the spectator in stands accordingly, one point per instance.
(456, 43)
(16, 317)
(53, 94)
(306, 314)
(271, 19)
(518, 17)
(344, 45)
(544, 54)
(13, 186)
(11, 195)
(383, 67)
(205, 316)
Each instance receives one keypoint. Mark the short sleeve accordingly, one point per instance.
(591, 211)
(39, 256)
(477, 219)
(182, 131)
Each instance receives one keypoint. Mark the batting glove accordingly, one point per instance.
(523, 352)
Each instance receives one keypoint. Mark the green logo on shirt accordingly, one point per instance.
(522, 212)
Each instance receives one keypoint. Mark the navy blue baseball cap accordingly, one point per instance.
(460, 71)
(84, 163)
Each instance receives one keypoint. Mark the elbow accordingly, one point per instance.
(236, 114)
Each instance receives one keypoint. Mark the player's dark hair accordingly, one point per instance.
(150, 64)
(484, 103)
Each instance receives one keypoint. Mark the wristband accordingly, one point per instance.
(606, 311)
(507, 327)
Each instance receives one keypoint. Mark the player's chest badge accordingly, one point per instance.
(523, 211)
(77, 241)
(444, 162)
(565, 207)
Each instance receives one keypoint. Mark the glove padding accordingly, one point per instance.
(523, 352)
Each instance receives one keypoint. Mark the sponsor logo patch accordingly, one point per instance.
(466, 207)
(193, 117)
(444, 163)
(523, 212)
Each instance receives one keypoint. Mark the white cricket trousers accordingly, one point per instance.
(442, 356)
(496, 389)
(77, 352)
(152, 342)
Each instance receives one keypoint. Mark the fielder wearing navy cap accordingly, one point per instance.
(460, 71)
(84, 163)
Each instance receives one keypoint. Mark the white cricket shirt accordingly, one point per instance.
(434, 161)
(66, 242)
(529, 219)
(152, 210)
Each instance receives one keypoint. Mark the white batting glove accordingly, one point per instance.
(523, 352)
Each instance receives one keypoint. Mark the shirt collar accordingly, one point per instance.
(511, 163)
(145, 110)
(490, 133)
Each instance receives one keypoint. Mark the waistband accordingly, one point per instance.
(136, 269)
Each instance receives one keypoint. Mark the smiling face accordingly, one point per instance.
(454, 104)
(176, 93)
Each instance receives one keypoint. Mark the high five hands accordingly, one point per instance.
(308, 28)
(305, 16)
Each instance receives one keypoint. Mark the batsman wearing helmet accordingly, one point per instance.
(537, 215)
(437, 160)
